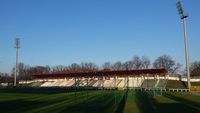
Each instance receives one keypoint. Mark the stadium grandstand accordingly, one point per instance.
(137, 79)
(104, 79)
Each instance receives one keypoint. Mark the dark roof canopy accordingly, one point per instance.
(98, 73)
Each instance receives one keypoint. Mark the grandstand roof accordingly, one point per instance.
(98, 73)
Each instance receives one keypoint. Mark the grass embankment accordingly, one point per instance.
(176, 84)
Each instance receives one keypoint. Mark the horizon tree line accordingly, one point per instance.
(163, 61)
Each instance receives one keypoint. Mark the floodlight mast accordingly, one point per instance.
(184, 16)
(17, 43)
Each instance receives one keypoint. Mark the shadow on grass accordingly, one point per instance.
(144, 102)
(30, 103)
(149, 104)
(33, 90)
(122, 103)
(17, 106)
(96, 104)
(44, 90)
(189, 103)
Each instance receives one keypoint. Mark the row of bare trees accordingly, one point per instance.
(163, 61)
(135, 63)
(25, 71)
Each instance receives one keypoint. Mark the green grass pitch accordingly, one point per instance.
(96, 101)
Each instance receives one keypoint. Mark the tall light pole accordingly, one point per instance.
(17, 43)
(184, 16)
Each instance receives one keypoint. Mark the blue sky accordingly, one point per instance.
(61, 32)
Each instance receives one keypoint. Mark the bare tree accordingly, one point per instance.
(5, 78)
(23, 72)
(39, 69)
(137, 63)
(166, 62)
(93, 66)
(145, 62)
(107, 65)
(74, 67)
(58, 68)
(195, 68)
(117, 65)
(21, 69)
(48, 69)
(88, 66)
(128, 65)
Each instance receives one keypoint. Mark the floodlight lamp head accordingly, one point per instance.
(180, 10)
(17, 43)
